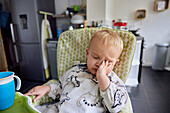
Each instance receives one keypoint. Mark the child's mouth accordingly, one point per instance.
(95, 69)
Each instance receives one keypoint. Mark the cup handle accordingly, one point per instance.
(18, 82)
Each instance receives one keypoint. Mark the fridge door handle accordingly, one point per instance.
(12, 32)
(14, 41)
(16, 54)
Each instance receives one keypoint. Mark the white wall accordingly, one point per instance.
(95, 10)
(155, 27)
(61, 5)
(109, 12)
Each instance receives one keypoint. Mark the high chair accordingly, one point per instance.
(71, 50)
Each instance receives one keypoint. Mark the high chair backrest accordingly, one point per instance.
(72, 46)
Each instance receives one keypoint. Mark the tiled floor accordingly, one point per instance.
(152, 95)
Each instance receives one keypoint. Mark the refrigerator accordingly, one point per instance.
(26, 36)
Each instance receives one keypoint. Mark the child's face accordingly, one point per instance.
(98, 53)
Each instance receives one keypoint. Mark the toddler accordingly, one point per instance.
(91, 87)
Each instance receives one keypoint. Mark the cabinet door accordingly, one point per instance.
(3, 61)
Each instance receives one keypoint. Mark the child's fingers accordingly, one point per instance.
(35, 93)
(111, 64)
(29, 92)
(26, 94)
(106, 64)
(103, 62)
(38, 97)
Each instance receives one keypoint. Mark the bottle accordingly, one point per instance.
(66, 13)
(58, 32)
(85, 23)
(101, 23)
(113, 22)
(97, 25)
(93, 24)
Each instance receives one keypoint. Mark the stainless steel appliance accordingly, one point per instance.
(26, 29)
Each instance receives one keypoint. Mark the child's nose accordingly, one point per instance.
(99, 63)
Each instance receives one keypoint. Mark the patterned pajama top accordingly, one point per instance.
(78, 92)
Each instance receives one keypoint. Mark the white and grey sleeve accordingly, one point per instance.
(116, 96)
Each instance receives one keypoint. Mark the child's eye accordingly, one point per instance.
(95, 57)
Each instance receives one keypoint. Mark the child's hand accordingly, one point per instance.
(102, 68)
(39, 91)
(101, 73)
(105, 68)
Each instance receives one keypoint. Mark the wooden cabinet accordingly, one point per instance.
(140, 14)
(161, 5)
(3, 61)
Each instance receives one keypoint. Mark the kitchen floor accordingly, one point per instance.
(152, 95)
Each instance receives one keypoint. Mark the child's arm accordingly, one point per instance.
(112, 89)
(51, 89)
(115, 97)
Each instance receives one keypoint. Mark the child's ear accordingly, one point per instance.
(87, 52)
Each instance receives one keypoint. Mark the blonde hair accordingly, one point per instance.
(108, 38)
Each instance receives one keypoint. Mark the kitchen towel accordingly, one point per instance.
(45, 34)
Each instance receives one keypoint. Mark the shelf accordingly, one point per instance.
(60, 16)
(140, 14)
(64, 16)
(161, 5)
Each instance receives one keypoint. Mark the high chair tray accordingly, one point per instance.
(22, 104)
